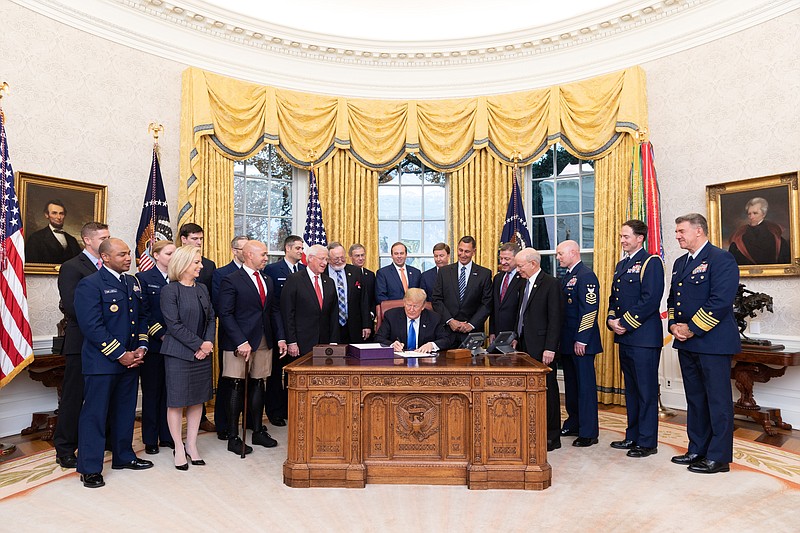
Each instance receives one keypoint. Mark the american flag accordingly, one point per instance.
(16, 342)
(154, 223)
(515, 228)
(315, 228)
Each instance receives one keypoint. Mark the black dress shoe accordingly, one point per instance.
(262, 438)
(67, 461)
(707, 466)
(641, 451)
(584, 442)
(167, 444)
(222, 435)
(569, 432)
(235, 446)
(626, 444)
(136, 464)
(151, 449)
(553, 445)
(687, 459)
(278, 422)
(92, 481)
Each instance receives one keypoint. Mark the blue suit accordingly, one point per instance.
(388, 285)
(154, 390)
(581, 293)
(113, 320)
(635, 299)
(427, 281)
(701, 295)
(223, 385)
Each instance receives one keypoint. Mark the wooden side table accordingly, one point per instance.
(750, 367)
(49, 370)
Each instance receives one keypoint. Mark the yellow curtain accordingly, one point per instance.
(611, 204)
(349, 200)
(479, 195)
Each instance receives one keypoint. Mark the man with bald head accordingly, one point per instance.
(580, 342)
(309, 305)
(538, 325)
(113, 320)
(247, 310)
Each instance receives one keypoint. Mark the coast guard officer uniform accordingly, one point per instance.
(113, 321)
(635, 300)
(581, 292)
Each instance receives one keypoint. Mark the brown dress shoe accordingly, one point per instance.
(207, 425)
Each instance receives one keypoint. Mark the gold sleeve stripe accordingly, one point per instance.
(154, 328)
(587, 321)
(707, 318)
(700, 324)
(113, 345)
(143, 337)
(612, 312)
(671, 313)
(630, 320)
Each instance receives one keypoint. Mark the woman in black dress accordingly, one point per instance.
(189, 318)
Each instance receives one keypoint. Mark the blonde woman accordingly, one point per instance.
(187, 346)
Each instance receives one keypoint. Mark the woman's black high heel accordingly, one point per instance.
(184, 467)
(199, 462)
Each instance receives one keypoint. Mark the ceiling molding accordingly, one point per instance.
(199, 34)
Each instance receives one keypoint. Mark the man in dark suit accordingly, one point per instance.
(113, 321)
(539, 328)
(505, 293)
(192, 234)
(392, 281)
(247, 314)
(580, 342)
(463, 292)
(355, 321)
(358, 258)
(309, 306)
(633, 316)
(413, 327)
(65, 437)
(51, 244)
(223, 386)
(277, 396)
(441, 257)
(700, 313)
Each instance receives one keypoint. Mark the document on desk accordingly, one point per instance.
(412, 355)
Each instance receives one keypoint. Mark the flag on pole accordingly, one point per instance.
(154, 223)
(645, 197)
(16, 341)
(515, 228)
(315, 228)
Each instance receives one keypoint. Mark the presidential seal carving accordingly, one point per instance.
(417, 417)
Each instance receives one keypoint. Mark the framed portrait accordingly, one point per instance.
(53, 211)
(757, 221)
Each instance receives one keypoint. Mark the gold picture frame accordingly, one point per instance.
(771, 227)
(82, 203)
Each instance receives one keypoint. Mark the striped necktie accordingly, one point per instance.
(342, 298)
(462, 282)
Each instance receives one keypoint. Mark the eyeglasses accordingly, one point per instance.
(238, 249)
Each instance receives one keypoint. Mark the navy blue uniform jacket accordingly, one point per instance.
(636, 298)
(581, 304)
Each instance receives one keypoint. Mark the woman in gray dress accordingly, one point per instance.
(187, 345)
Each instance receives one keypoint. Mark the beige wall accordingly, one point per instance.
(727, 111)
(79, 109)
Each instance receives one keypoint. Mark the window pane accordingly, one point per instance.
(426, 263)
(411, 235)
(435, 202)
(568, 196)
(543, 167)
(257, 196)
(279, 167)
(411, 207)
(280, 198)
(434, 232)
(388, 234)
(411, 178)
(543, 198)
(238, 194)
(280, 228)
(588, 231)
(571, 169)
(543, 233)
(388, 203)
(587, 192)
(386, 260)
(569, 228)
(587, 166)
(549, 264)
(252, 170)
(258, 228)
(238, 224)
(415, 262)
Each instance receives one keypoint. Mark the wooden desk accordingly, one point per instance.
(751, 366)
(479, 422)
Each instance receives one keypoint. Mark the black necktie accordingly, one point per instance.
(294, 268)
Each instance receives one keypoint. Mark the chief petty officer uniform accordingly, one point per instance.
(581, 292)
(635, 300)
(113, 320)
(701, 295)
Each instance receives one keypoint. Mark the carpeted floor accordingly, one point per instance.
(597, 488)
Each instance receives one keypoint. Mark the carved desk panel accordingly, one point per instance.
(479, 422)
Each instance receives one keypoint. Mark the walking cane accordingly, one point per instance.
(246, 401)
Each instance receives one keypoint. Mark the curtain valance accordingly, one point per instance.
(586, 117)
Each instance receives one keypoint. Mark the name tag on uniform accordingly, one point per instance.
(572, 282)
(110, 291)
(153, 286)
(281, 279)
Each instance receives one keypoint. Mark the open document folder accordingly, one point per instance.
(409, 355)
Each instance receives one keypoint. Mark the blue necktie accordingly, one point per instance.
(462, 282)
(342, 298)
(412, 336)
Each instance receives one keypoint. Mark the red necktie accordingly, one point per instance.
(99, 264)
(319, 290)
(261, 291)
(504, 287)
